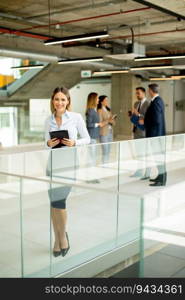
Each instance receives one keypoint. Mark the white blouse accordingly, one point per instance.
(73, 123)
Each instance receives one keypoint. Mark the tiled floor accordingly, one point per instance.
(168, 262)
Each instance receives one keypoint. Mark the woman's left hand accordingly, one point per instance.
(67, 142)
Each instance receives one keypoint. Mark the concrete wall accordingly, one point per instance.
(80, 92)
(123, 98)
(172, 91)
(179, 116)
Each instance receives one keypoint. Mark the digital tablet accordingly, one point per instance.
(59, 134)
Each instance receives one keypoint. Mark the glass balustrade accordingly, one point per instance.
(110, 205)
(162, 223)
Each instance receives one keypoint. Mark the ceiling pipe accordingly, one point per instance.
(161, 9)
(30, 55)
(20, 19)
(79, 8)
(24, 33)
(90, 18)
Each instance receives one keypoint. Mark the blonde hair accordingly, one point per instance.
(91, 101)
(63, 90)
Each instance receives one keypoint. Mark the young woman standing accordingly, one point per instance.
(63, 119)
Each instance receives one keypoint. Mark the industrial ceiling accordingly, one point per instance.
(158, 25)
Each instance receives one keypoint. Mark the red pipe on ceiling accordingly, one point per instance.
(43, 37)
(88, 18)
(22, 33)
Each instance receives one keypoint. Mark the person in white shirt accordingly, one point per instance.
(62, 119)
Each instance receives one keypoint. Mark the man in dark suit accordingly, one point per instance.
(154, 123)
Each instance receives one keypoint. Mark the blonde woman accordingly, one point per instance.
(63, 119)
(92, 117)
(93, 126)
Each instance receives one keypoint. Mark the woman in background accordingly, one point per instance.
(93, 127)
(106, 132)
(92, 117)
(62, 119)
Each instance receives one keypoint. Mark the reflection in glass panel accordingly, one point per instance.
(88, 215)
(36, 228)
(91, 226)
(10, 224)
(12, 163)
(36, 164)
(163, 234)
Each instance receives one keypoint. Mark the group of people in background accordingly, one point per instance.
(99, 121)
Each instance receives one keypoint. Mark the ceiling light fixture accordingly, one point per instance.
(80, 60)
(159, 57)
(28, 67)
(110, 72)
(151, 68)
(74, 38)
(174, 77)
(160, 78)
(178, 77)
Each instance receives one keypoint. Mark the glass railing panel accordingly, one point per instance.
(91, 225)
(133, 166)
(10, 224)
(129, 215)
(91, 203)
(36, 228)
(37, 164)
(175, 157)
(12, 163)
(87, 165)
(163, 233)
(139, 160)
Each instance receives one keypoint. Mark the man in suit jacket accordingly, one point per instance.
(154, 123)
(139, 110)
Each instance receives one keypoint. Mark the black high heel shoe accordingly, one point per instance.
(56, 253)
(65, 250)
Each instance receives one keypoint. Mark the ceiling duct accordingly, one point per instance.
(179, 64)
(129, 52)
(28, 55)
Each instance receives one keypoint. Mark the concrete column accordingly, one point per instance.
(23, 122)
(122, 100)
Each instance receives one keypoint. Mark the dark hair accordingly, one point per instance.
(154, 87)
(63, 90)
(101, 98)
(141, 88)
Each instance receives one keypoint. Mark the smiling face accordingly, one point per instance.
(60, 102)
